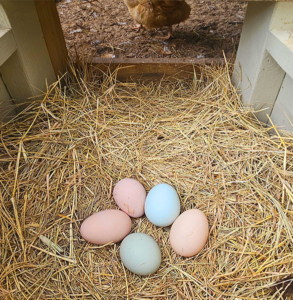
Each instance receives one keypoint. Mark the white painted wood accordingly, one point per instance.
(12, 69)
(15, 78)
(32, 54)
(25, 53)
(282, 16)
(256, 74)
(7, 45)
(7, 48)
(7, 109)
(265, 55)
(280, 46)
(282, 114)
(4, 22)
(251, 49)
(266, 87)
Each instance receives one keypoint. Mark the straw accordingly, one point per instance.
(62, 156)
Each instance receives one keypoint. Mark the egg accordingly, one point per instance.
(106, 226)
(130, 196)
(162, 205)
(189, 233)
(140, 254)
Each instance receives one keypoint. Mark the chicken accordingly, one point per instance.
(158, 13)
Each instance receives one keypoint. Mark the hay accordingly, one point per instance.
(62, 156)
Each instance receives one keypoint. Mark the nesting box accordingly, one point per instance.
(62, 157)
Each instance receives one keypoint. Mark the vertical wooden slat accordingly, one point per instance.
(282, 114)
(32, 54)
(7, 44)
(16, 80)
(53, 35)
(6, 105)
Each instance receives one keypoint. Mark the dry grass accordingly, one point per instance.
(62, 156)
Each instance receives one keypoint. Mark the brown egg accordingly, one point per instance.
(189, 233)
(130, 196)
(106, 226)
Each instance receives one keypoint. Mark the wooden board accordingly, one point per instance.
(7, 44)
(31, 49)
(282, 113)
(153, 69)
(6, 104)
(53, 35)
(4, 22)
(16, 79)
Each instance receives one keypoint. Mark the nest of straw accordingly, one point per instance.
(61, 157)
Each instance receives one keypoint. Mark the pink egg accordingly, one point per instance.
(189, 233)
(130, 196)
(106, 226)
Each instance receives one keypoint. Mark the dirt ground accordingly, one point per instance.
(105, 29)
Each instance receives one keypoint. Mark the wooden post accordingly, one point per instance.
(32, 48)
(265, 57)
(53, 35)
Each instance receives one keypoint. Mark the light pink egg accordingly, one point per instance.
(130, 196)
(189, 232)
(106, 226)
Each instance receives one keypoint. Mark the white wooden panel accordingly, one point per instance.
(251, 49)
(7, 44)
(266, 87)
(4, 22)
(15, 78)
(282, 17)
(265, 54)
(6, 104)
(282, 114)
(280, 46)
(32, 50)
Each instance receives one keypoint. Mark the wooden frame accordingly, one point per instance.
(53, 35)
(149, 69)
(32, 48)
(264, 64)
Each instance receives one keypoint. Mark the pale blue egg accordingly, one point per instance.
(162, 205)
(140, 254)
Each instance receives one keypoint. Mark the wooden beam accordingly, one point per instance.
(7, 45)
(153, 69)
(7, 107)
(282, 113)
(32, 51)
(53, 35)
(16, 79)
(280, 51)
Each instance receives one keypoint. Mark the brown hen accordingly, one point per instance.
(158, 13)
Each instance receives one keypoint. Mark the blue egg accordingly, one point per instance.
(162, 205)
